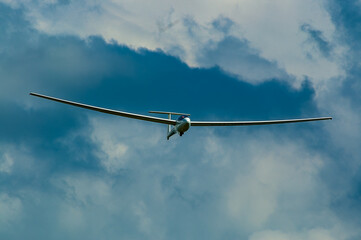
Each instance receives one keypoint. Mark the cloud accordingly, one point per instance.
(345, 17)
(115, 150)
(275, 173)
(317, 37)
(6, 163)
(10, 210)
(271, 30)
(312, 234)
(85, 175)
(237, 57)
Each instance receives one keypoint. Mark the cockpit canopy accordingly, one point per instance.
(181, 117)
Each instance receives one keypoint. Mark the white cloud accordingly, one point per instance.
(244, 182)
(112, 135)
(71, 217)
(278, 175)
(112, 152)
(345, 127)
(16, 159)
(92, 204)
(184, 29)
(261, 180)
(145, 223)
(269, 235)
(87, 205)
(10, 210)
(311, 234)
(84, 189)
(6, 163)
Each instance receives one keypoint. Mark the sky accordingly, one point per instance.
(69, 173)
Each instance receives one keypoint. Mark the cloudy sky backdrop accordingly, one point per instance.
(68, 173)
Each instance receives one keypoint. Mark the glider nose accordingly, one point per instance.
(187, 123)
(188, 120)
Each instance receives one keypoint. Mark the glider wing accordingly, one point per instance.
(109, 111)
(249, 123)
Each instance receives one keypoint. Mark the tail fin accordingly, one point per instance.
(169, 126)
(174, 113)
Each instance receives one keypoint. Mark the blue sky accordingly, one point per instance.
(71, 173)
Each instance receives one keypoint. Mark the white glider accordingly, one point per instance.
(183, 123)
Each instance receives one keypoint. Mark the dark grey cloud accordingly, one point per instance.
(317, 37)
(234, 55)
(223, 24)
(346, 17)
(237, 56)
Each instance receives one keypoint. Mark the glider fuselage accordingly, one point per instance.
(183, 123)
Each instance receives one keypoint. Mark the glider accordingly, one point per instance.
(183, 123)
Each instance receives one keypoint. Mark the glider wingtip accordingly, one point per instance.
(35, 94)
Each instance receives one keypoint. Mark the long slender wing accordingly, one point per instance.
(248, 123)
(109, 111)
